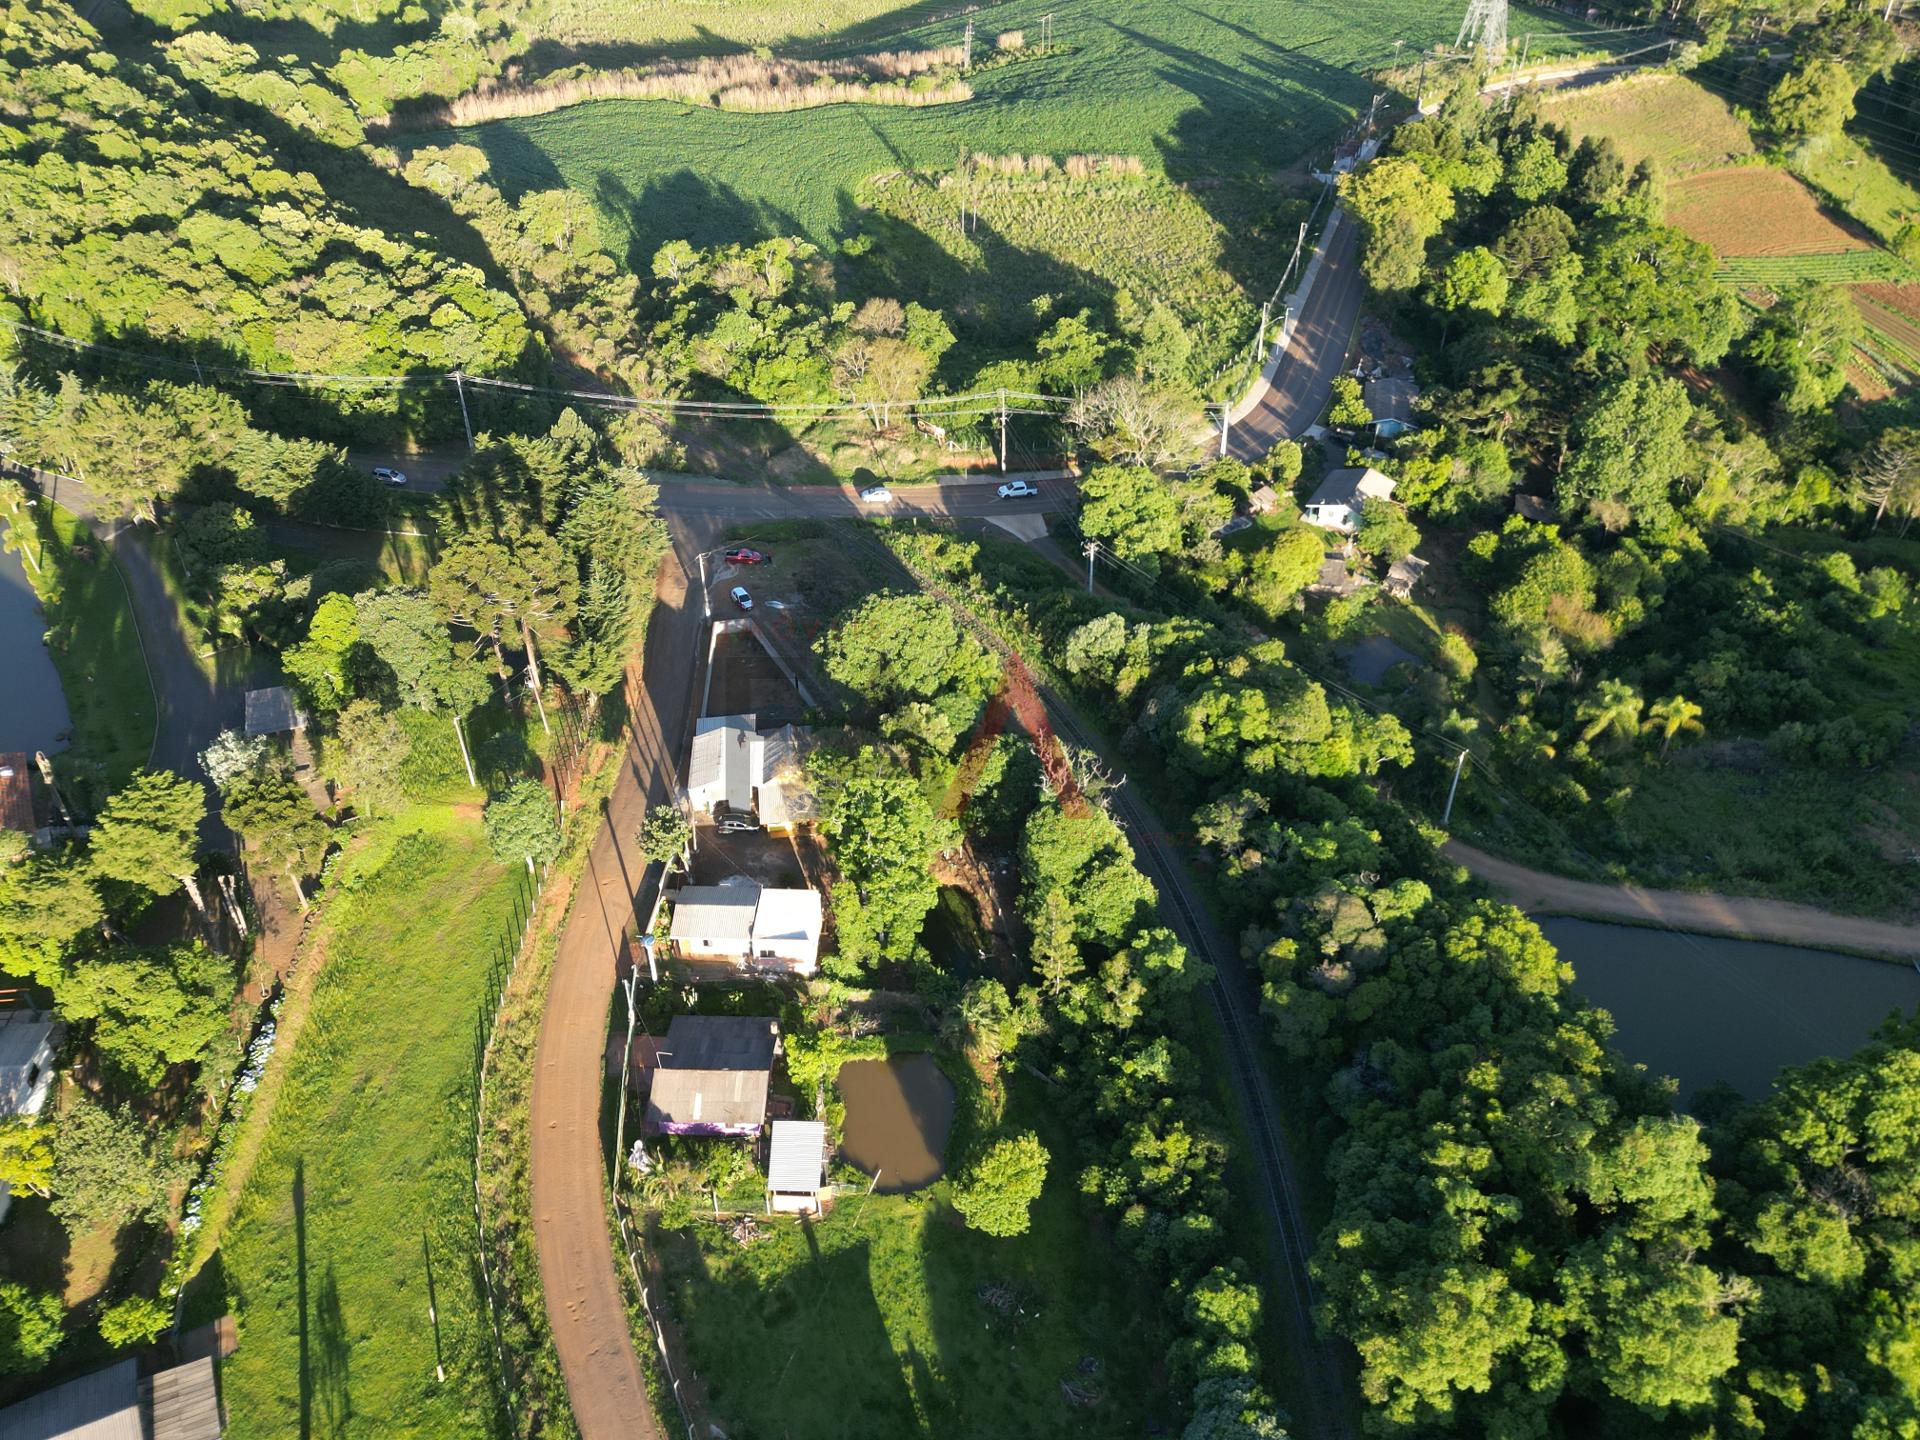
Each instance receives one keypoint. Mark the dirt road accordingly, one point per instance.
(578, 1267)
(1740, 916)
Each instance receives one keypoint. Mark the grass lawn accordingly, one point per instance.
(872, 1322)
(95, 646)
(361, 1200)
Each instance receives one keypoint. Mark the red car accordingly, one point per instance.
(744, 556)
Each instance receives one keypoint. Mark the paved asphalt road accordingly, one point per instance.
(1315, 354)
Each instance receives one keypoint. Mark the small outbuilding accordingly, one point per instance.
(1336, 503)
(182, 1403)
(786, 929)
(724, 769)
(796, 1166)
(1403, 576)
(272, 712)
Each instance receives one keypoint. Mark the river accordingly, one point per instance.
(34, 716)
(1701, 1008)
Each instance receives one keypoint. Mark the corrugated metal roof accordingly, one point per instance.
(186, 1402)
(710, 1099)
(796, 1156)
(271, 712)
(714, 913)
(102, 1406)
(720, 1042)
(1349, 485)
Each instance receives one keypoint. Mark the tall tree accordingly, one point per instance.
(109, 1168)
(406, 634)
(367, 754)
(148, 833)
(522, 824)
(1614, 707)
(995, 1190)
(280, 824)
(1130, 510)
(523, 580)
(154, 1007)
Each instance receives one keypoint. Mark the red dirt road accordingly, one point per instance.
(578, 1267)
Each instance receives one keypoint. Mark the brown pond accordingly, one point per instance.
(898, 1114)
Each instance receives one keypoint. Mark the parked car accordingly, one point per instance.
(736, 824)
(1018, 490)
(877, 495)
(386, 476)
(741, 597)
(741, 555)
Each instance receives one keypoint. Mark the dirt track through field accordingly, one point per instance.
(579, 1270)
(1742, 917)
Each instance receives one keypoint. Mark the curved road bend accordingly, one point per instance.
(1316, 352)
(1743, 917)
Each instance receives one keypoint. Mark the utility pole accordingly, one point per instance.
(1454, 788)
(1046, 29)
(1223, 429)
(1092, 548)
(966, 47)
(1260, 343)
(460, 388)
(1420, 98)
(1003, 430)
(626, 1061)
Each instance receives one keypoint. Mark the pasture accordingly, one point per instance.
(1681, 125)
(358, 1213)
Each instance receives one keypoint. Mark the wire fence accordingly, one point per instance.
(513, 946)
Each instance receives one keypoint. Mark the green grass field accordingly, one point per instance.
(94, 645)
(1680, 124)
(1231, 89)
(872, 1321)
(365, 1177)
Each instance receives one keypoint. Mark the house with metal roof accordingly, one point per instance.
(713, 922)
(116, 1404)
(742, 923)
(724, 769)
(713, 1076)
(28, 1040)
(796, 1166)
(1403, 576)
(1336, 503)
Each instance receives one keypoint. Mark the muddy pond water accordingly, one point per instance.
(899, 1112)
(1703, 1009)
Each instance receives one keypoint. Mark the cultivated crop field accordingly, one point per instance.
(1682, 125)
(1244, 89)
(1750, 210)
(1043, 235)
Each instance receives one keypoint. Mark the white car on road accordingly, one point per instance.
(877, 495)
(1019, 490)
(388, 476)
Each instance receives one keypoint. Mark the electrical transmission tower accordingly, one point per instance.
(1485, 26)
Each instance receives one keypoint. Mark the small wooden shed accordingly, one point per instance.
(796, 1166)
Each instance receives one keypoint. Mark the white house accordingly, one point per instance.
(764, 926)
(27, 1042)
(724, 770)
(736, 768)
(786, 929)
(796, 1165)
(713, 922)
(1336, 504)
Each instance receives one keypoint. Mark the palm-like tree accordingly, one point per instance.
(1615, 705)
(1675, 715)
